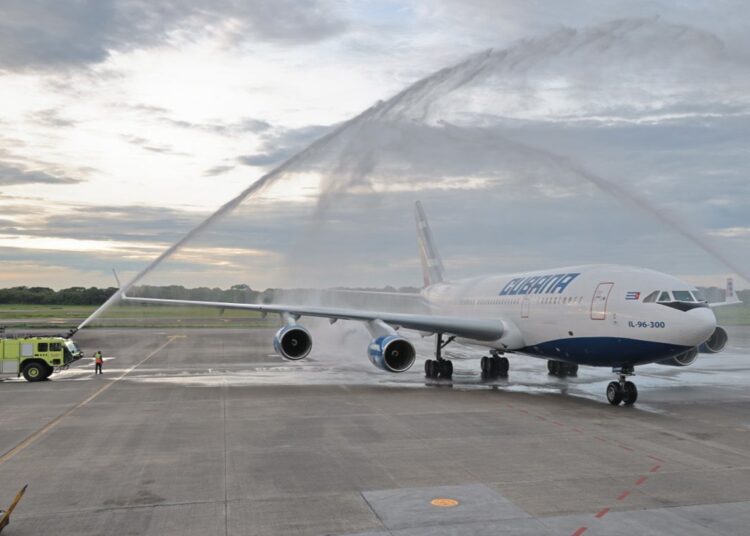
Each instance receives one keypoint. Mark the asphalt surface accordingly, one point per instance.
(203, 432)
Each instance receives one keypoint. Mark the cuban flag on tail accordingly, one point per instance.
(633, 296)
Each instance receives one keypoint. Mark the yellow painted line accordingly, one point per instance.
(444, 503)
(54, 422)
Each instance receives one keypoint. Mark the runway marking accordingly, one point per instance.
(601, 513)
(54, 422)
(624, 494)
(444, 503)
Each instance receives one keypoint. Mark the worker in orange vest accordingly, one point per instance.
(98, 360)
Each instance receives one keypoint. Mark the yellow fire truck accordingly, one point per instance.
(36, 357)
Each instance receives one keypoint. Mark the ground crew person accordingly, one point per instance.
(98, 360)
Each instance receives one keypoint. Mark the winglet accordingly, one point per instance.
(119, 285)
(730, 296)
(432, 265)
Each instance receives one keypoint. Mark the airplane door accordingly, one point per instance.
(599, 301)
(525, 306)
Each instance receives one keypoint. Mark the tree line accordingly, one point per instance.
(97, 296)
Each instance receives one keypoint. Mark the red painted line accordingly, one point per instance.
(511, 405)
(603, 512)
(540, 418)
(623, 495)
(655, 458)
(578, 430)
(557, 423)
(600, 439)
(654, 468)
(626, 448)
(641, 480)
(580, 531)
(523, 411)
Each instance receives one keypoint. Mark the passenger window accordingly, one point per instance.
(651, 298)
(664, 296)
(682, 295)
(41, 347)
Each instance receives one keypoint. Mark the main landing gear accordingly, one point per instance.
(494, 366)
(622, 390)
(439, 367)
(562, 369)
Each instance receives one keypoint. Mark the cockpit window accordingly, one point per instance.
(699, 296)
(682, 295)
(651, 298)
(664, 296)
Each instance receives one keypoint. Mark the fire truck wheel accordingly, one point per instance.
(34, 371)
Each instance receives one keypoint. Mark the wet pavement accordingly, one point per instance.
(208, 432)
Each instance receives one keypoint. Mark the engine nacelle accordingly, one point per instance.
(716, 342)
(392, 353)
(682, 360)
(292, 342)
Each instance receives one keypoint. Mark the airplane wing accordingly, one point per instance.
(723, 303)
(470, 328)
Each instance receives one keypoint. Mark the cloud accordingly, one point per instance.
(13, 174)
(152, 146)
(51, 118)
(51, 34)
(102, 223)
(225, 129)
(279, 144)
(217, 170)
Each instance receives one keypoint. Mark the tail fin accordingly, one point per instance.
(432, 266)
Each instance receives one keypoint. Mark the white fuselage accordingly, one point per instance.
(593, 314)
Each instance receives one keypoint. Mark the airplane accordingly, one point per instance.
(593, 315)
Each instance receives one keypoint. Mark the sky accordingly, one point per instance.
(537, 134)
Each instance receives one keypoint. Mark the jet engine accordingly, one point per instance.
(293, 342)
(682, 360)
(716, 342)
(392, 353)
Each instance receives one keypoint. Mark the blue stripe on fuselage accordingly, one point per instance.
(605, 351)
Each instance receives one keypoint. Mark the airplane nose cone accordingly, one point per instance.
(703, 324)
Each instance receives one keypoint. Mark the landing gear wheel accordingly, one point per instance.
(630, 394)
(552, 366)
(572, 369)
(445, 369)
(503, 365)
(614, 393)
(484, 364)
(34, 372)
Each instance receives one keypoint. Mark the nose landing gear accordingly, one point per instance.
(622, 391)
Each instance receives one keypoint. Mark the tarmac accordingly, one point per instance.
(207, 432)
